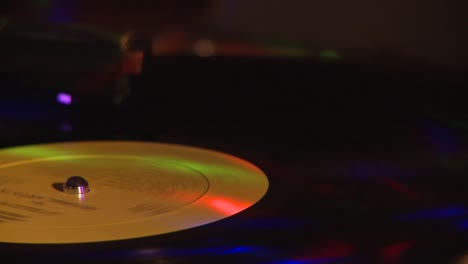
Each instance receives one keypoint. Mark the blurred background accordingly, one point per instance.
(267, 54)
(191, 56)
(431, 31)
(363, 103)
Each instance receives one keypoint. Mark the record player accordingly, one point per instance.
(191, 147)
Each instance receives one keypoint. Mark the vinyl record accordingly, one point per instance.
(97, 191)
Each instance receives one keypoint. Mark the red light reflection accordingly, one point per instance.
(226, 206)
(393, 253)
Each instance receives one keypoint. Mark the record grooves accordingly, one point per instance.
(136, 189)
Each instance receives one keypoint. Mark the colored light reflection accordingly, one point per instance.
(226, 206)
(160, 253)
(393, 253)
(220, 251)
(35, 152)
(329, 55)
(386, 175)
(81, 190)
(312, 261)
(61, 12)
(463, 225)
(81, 196)
(328, 252)
(209, 167)
(347, 259)
(64, 98)
(442, 138)
(434, 214)
(204, 48)
(166, 162)
(401, 188)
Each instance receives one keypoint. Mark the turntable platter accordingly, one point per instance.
(136, 189)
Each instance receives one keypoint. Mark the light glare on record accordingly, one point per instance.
(138, 189)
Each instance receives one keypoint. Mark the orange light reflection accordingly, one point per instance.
(226, 206)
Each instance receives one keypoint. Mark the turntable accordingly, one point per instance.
(238, 151)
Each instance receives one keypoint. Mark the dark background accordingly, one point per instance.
(365, 151)
(428, 30)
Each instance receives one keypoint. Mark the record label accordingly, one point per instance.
(133, 189)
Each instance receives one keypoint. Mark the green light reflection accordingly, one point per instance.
(35, 152)
(227, 166)
(329, 54)
(210, 168)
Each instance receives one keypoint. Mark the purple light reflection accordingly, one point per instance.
(64, 98)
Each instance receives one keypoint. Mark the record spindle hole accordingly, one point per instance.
(76, 185)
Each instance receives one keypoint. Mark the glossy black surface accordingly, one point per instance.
(366, 164)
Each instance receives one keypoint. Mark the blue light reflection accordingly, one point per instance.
(314, 261)
(434, 214)
(463, 225)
